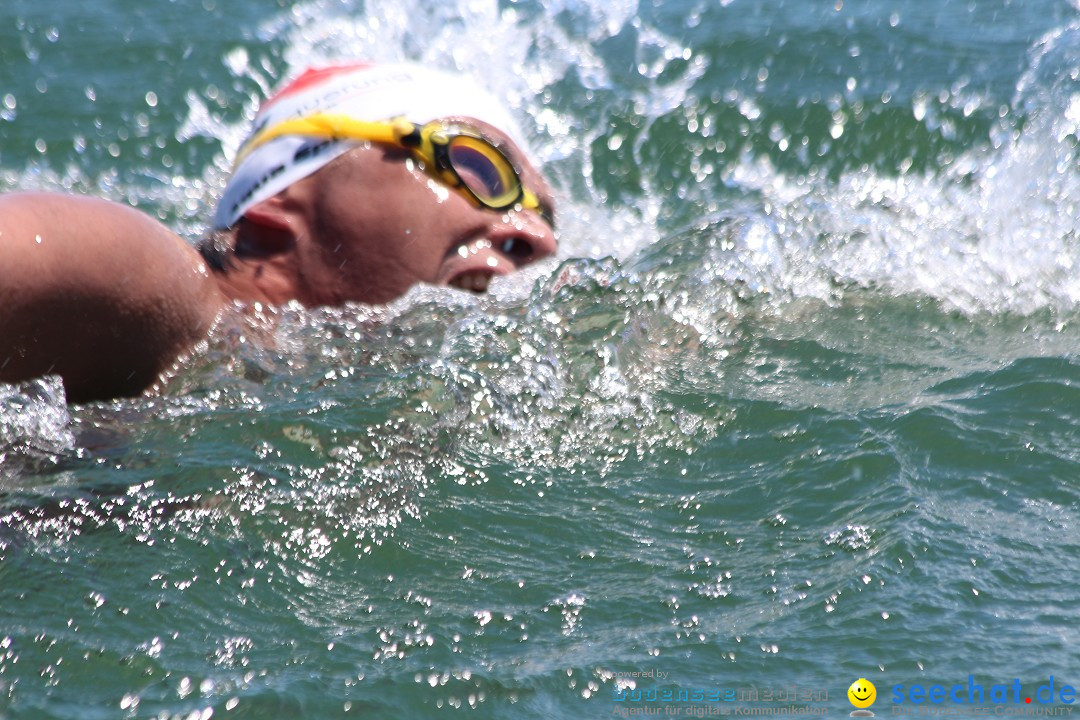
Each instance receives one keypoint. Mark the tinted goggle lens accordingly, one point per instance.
(484, 171)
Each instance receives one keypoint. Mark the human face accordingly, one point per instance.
(373, 224)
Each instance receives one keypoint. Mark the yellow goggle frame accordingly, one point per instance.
(458, 157)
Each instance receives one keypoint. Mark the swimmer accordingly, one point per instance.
(356, 182)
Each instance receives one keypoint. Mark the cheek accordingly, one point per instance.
(379, 227)
(377, 258)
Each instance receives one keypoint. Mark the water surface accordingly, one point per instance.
(796, 404)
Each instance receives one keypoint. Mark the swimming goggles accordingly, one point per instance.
(457, 156)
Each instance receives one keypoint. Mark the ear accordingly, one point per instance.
(269, 227)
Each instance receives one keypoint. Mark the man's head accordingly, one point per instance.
(346, 189)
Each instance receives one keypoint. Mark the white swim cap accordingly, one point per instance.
(364, 91)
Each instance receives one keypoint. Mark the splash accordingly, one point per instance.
(960, 232)
(989, 231)
(35, 429)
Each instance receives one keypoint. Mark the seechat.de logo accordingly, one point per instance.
(973, 693)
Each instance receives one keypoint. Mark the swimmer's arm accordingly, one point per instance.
(96, 292)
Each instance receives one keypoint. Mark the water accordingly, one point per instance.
(797, 403)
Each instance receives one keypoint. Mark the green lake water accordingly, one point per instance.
(797, 403)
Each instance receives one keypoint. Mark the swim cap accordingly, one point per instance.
(364, 91)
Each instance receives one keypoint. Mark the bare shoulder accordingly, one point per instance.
(97, 292)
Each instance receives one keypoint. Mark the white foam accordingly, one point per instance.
(994, 231)
(34, 425)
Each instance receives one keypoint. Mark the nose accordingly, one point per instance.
(524, 241)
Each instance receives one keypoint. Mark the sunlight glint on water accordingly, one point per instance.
(796, 404)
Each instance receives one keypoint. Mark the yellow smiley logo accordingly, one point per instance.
(862, 693)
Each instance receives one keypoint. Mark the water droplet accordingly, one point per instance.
(919, 108)
(7, 111)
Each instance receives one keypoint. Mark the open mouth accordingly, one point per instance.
(475, 281)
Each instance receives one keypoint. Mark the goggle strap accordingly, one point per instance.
(331, 126)
(397, 131)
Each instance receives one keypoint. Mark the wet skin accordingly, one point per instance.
(371, 224)
(109, 298)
